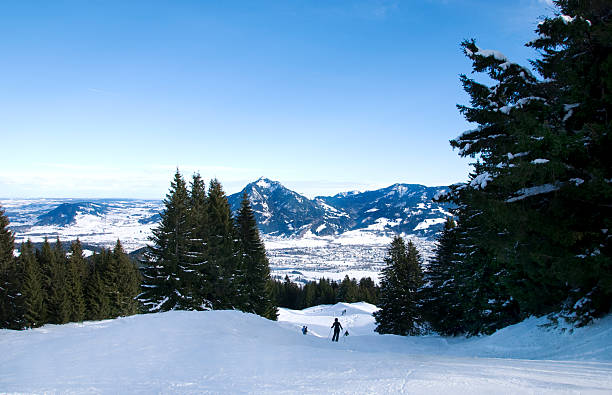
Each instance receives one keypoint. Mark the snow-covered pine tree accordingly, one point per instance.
(399, 302)
(34, 314)
(543, 179)
(223, 259)
(576, 65)
(166, 269)
(255, 286)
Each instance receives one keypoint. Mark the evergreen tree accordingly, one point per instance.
(9, 279)
(348, 290)
(34, 314)
(168, 264)
(7, 238)
(223, 262)
(254, 265)
(123, 283)
(368, 291)
(542, 186)
(203, 276)
(53, 267)
(399, 298)
(77, 270)
(96, 295)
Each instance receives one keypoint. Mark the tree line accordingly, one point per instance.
(531, 228)
(202, 258)
(324, 291)
(53, 286)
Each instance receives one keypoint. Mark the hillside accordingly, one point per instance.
(234, 352)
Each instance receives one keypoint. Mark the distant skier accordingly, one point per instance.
(304, 329)
(336, 325)
(344, 312)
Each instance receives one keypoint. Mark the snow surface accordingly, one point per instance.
(233, 352)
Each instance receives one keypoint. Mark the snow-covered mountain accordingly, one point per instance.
(400, 208)
(66, 213)
(282, 212)
(331, 236)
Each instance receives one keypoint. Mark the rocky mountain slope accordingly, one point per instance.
(399, 208)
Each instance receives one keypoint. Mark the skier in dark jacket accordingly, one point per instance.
(336, 325)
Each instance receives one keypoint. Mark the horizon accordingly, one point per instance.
(227, 192)
(105, 100)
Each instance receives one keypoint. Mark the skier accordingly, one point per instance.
(336, 325)
(304, 329)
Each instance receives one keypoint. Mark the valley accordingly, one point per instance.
(345, 234)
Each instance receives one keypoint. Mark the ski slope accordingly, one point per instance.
(234, 352)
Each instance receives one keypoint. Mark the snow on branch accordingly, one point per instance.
(520, 103)
(537, 190)
(481, 180)
(485, 53)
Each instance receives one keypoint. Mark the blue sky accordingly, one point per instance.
(107, 98)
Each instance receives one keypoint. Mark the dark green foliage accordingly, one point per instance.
(290, 295)
(97, 292)
(34, 314)
(45, 286)
(203, 276)
(348, 291)
(168, 262)
(58, 301)
(9, 278)
(441, 298)
(223, 258)
(77, 272)
(7, 238)
(255, 268)
(533, 220)
(399, 301)
(201, 259)
(123, 283)
(368, 291)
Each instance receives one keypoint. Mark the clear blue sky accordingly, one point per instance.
(106, 98)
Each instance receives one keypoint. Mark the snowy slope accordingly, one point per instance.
(233, 352)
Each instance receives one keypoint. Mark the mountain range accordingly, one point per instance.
(399, 208)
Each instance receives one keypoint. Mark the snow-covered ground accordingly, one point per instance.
(233, 352)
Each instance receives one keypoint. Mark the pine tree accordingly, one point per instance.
(125, 286)
(96, 293)
(368, 291)
(34, 314)
(399, 298)
(53, 266)
(542, 183)
(348, 290)
(9, 279)
(223, 261)
(254, 264)
(167, 268)
(59, 300)
(77, 269)
(202, 276)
